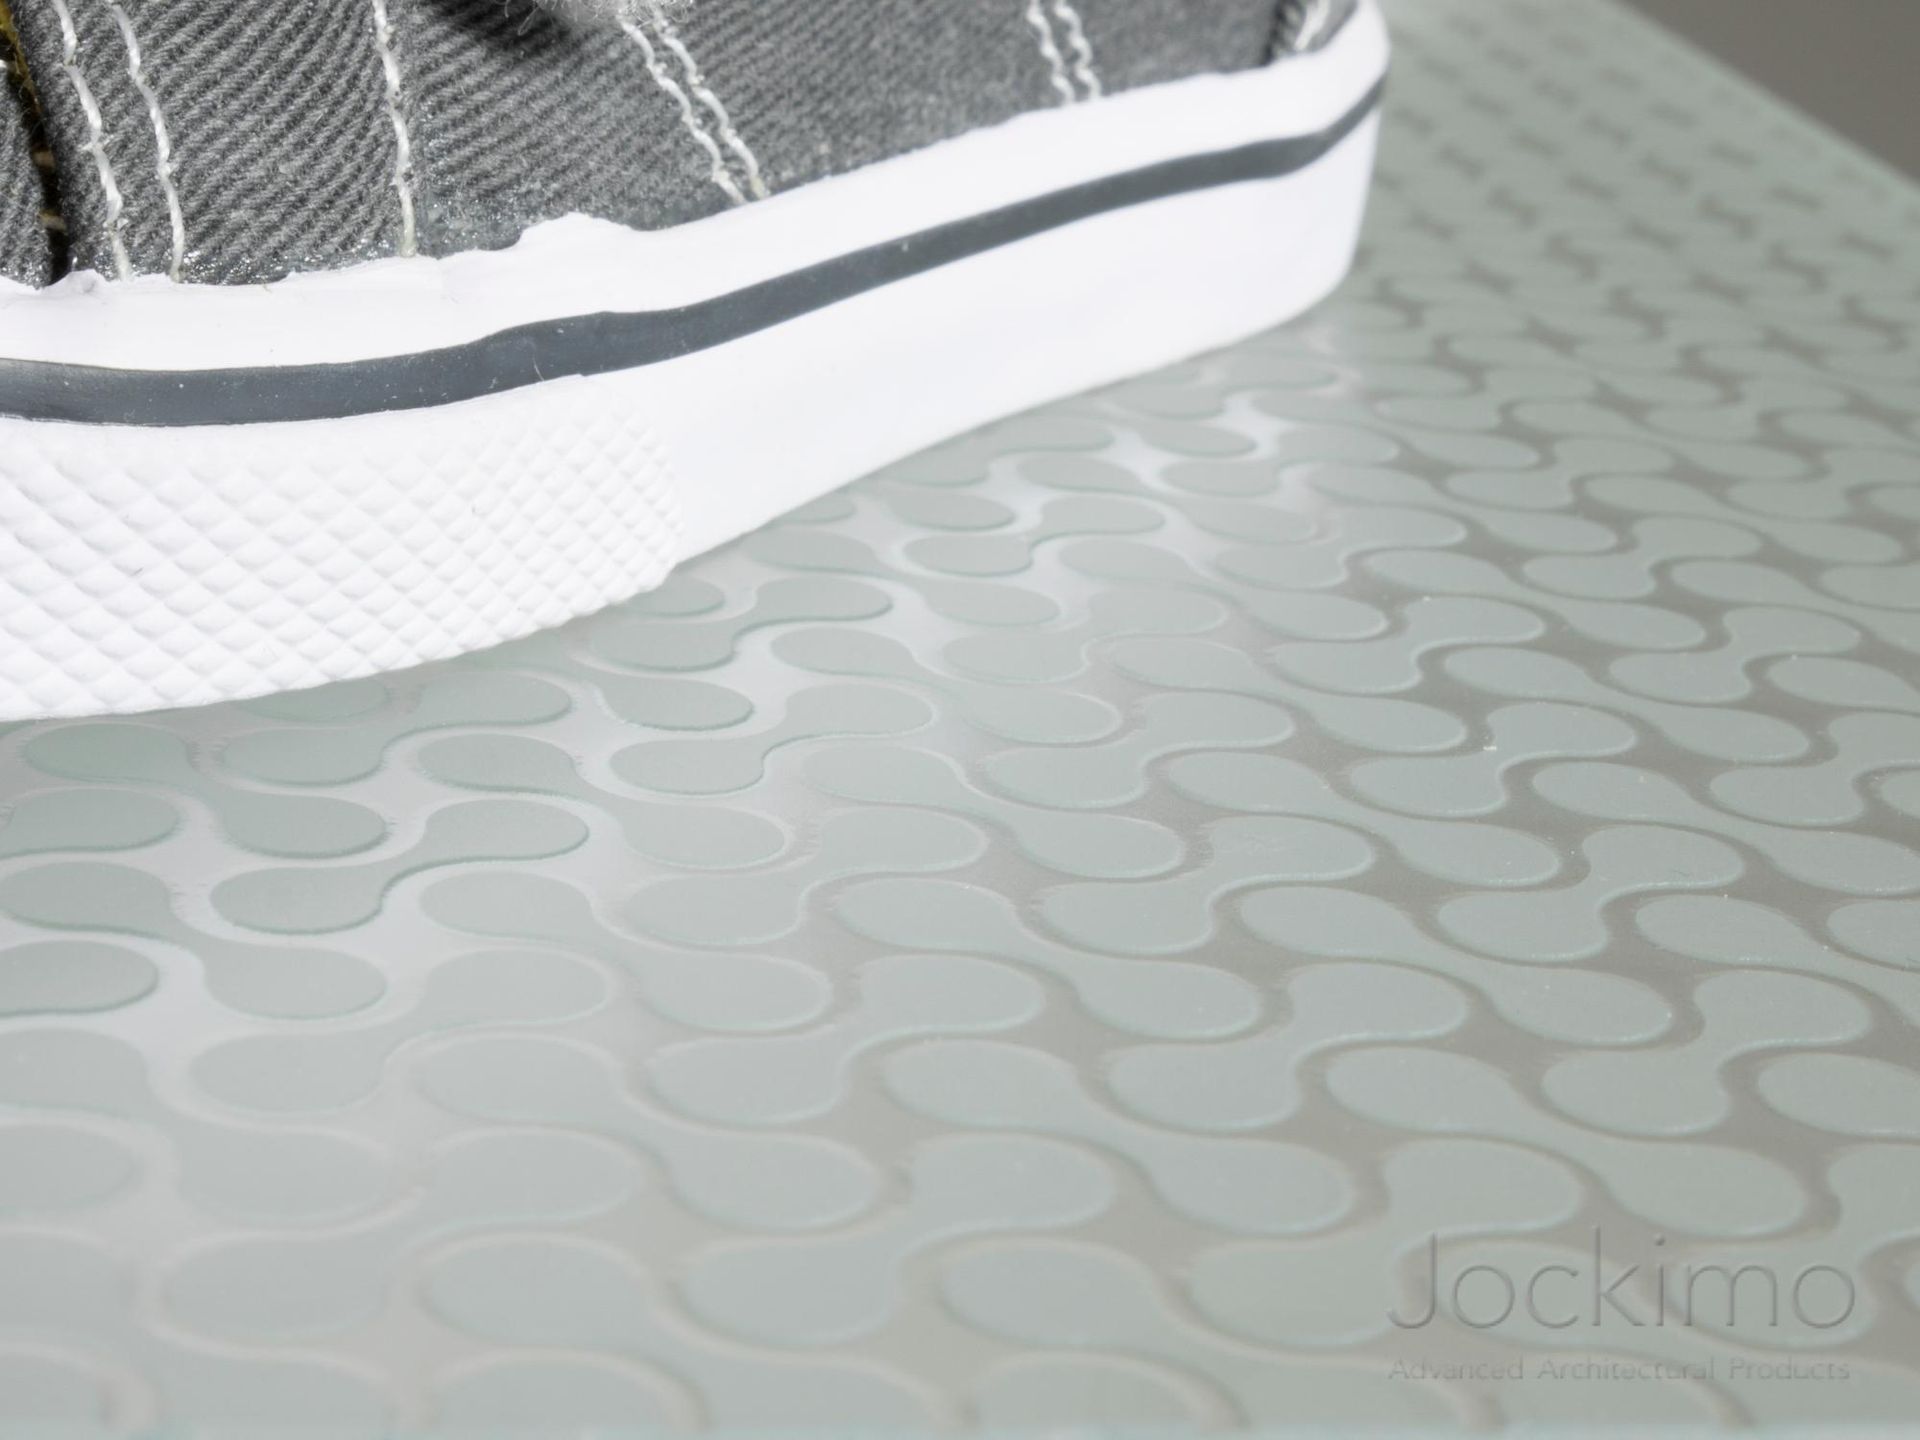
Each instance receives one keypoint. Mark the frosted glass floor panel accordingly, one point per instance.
(1090, 925)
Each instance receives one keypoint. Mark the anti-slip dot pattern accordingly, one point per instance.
(1049, 934)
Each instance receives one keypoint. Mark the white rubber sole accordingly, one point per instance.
(153, 565)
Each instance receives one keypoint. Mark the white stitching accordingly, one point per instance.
(1050, 52)
(697, 83)
(162, 142)
(1082, 50)
(96, 140)
(664, 79)
(402, 137)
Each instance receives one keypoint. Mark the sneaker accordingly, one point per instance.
(360, 333)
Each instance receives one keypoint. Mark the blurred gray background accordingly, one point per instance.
(1852, 64)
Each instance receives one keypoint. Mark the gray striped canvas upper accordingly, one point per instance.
(305, 134)
(25, 250)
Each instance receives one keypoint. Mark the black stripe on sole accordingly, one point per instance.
(602, 343)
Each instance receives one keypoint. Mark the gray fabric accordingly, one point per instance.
(26, 254)
(829, 87)
(285, 149)
(283, 154)
(589, 12)
(517, 117)
(1142, 42)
